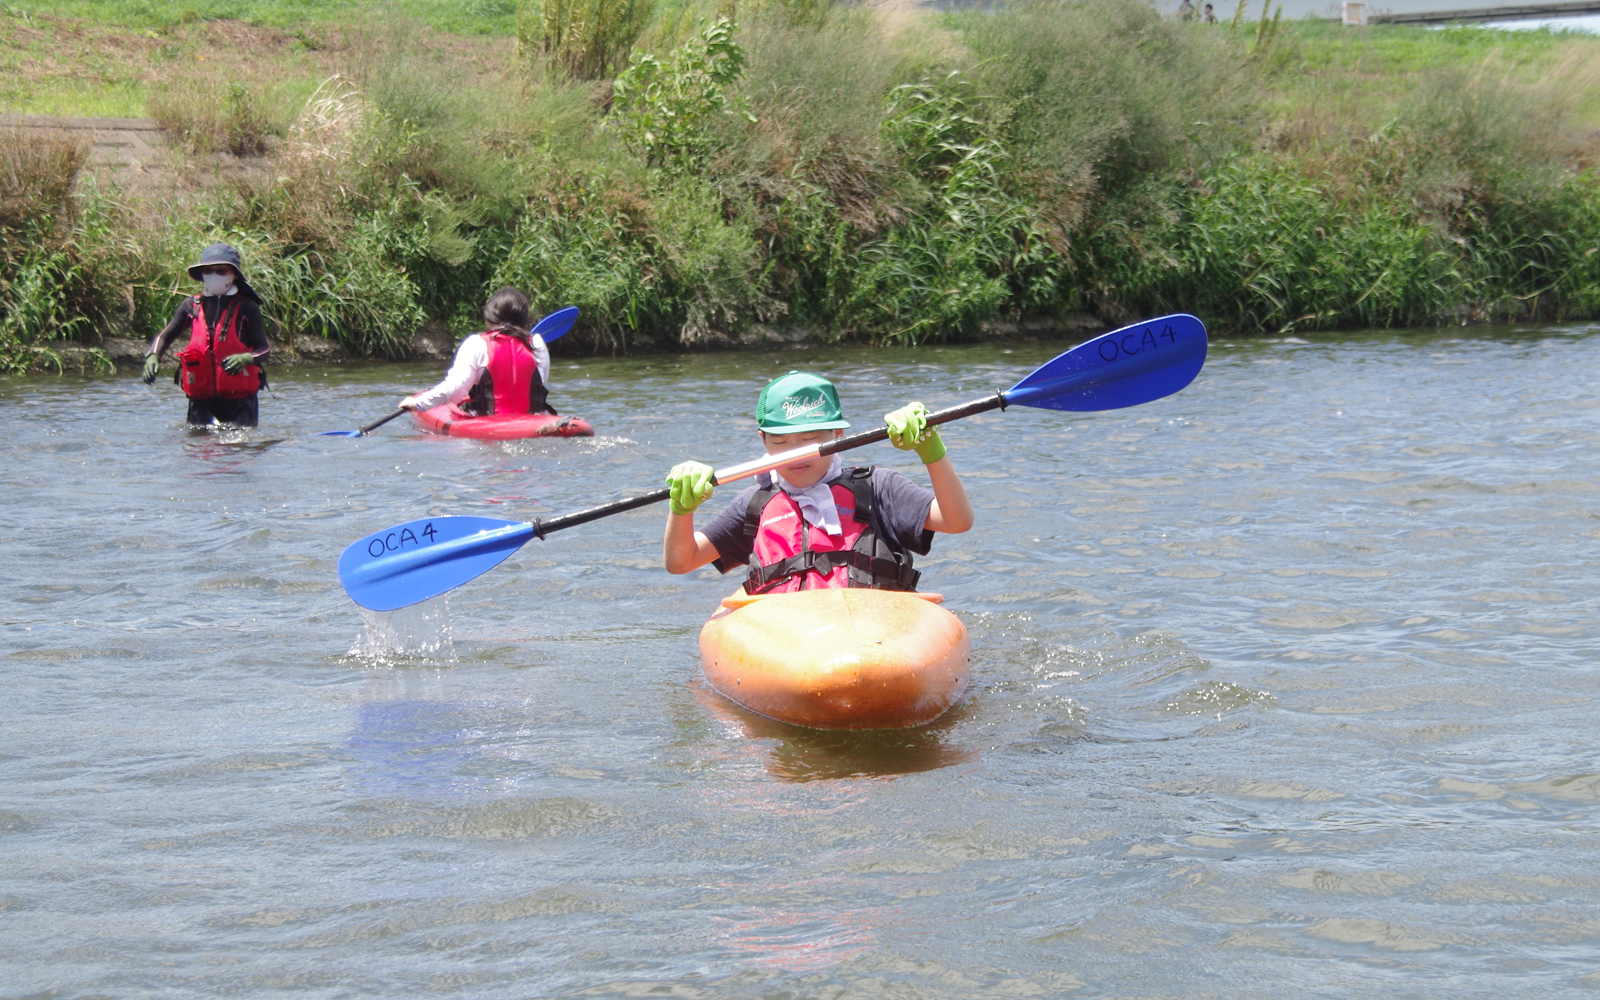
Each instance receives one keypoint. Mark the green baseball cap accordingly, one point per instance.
(799, 401)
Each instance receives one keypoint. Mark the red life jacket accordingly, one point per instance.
(787, 554)
(511, 383)
(200, 370)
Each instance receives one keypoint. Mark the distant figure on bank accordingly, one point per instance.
(1209, 17)
(1186, 11)
(504, 369)
(220, 370)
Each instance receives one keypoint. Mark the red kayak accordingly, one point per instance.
(446, 419)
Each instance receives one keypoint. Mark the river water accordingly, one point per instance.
(1284, 686)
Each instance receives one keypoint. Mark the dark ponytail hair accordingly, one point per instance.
(507, 311)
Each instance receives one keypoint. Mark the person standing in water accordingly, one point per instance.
(505, 369)
(220, 370)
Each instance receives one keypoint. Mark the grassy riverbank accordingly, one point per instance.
(881, 175)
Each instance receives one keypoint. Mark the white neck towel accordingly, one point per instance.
(816, 501)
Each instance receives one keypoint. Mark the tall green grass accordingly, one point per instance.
(582, 39)
(42, 283)
(874, 175)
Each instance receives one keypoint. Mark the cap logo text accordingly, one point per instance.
(793, 407)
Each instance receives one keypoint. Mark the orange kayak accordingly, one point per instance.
(838, 659)
(448, 420)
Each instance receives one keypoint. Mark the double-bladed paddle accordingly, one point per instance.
(412, 562)
(552, 327)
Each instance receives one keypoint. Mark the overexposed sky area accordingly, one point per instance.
(1590, 24)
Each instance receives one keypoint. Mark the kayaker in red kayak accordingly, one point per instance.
(220, 370)
(818, 524)
(503, 370)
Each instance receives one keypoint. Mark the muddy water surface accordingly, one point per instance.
(1284, 686)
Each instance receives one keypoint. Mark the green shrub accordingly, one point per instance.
(664, 111)
(1536, 256)
(1574, 284)
(814, 173)
(639, 261)
(817, 96)
(34, 311)
(1256, 247)
(970, 250)
(1097, 97)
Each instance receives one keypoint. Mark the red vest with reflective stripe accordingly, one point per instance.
(787, 554)
(200, 370)
(511, 383)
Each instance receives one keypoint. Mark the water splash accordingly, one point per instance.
(420, 632)
(575, 447)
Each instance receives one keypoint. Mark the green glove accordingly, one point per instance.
(233, 364)
(909, 431)
(152, 364)
(690, 483)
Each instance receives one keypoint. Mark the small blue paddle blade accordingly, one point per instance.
(339, 434)
(1125, 367)
(556, 325)
(411, 562)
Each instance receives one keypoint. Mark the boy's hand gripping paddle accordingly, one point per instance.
(412, 562)
(552, 327)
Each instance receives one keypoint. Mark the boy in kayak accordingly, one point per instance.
(505, 369)
(816, 524)
(220, 370)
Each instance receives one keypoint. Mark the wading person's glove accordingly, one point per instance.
(909, 431)
(233, 364)
(152, 364)
(690, 483)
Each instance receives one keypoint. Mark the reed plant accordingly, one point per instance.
(968, 250)
(1465, 204)
(582, 39)
(1259, 247)
(206, 118)
(43, 289)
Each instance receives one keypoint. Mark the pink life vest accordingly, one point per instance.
(510, 383)
(200, 370)
(787, 554)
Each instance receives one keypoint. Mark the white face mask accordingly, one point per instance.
(217, 284)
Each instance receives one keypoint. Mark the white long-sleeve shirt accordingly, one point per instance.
(472, 358)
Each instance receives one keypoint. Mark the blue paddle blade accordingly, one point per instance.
(556, 325)
(1125, 367)
(411, 562)
(340, 434)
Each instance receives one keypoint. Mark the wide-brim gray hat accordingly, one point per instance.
(222, 253)
(217, 253)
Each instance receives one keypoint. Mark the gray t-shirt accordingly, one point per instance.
(899, 511)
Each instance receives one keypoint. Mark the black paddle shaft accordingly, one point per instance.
(542, 527)
(995, 402)
(379, 423)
